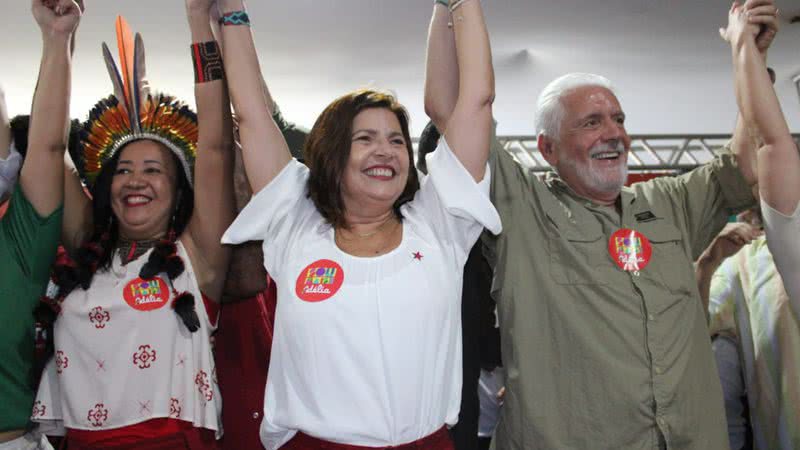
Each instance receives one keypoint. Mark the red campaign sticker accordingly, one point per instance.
(146, 295)
(319, 281)
(630, 249)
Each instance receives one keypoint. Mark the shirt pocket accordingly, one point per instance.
(578, 259)
(669, 267)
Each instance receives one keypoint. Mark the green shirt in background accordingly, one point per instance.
(28, 246)
(596, 357)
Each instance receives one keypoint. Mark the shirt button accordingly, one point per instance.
(661, 422)
(658, 370)
(651, 317)
(255, 415)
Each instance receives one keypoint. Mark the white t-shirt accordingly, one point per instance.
(123, 356)
(783, 240)
(366, 351)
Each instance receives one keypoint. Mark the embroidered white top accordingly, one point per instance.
(366, 351)
(123, 356)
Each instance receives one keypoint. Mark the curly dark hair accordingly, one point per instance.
(327, 151)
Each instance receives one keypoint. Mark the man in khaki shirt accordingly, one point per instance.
(604, 340)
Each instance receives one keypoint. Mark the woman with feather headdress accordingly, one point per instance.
(132, 313)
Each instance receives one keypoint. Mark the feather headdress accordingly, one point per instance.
(132, 113)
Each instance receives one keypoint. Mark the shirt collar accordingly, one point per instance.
(552, 179)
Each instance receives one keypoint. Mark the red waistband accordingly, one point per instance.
(440, 440)
(154, 434)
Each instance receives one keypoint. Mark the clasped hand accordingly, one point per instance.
(756, 19)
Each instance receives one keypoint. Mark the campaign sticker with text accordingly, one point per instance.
(146, 295)
(319, 281)
(630, 250)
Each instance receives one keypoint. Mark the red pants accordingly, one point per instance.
(243, 345)
(439, 440)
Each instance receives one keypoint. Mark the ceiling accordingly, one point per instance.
(671, 69)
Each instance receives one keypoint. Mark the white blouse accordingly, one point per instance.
(123, 356)
(366, 351)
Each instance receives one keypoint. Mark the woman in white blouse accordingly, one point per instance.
(778, 158)
(368, 257)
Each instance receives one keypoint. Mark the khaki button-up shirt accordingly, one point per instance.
(597, 357)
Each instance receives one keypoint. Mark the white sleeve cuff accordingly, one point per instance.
(275, 201)
(459, 193)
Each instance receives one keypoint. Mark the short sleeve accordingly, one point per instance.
(782, 238)
(458, 206)
(272, 213)
(725, 286)
(31, 238)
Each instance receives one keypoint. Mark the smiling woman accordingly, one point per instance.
(144, 188)
(339, 154)
(137, 301)
(368, 259)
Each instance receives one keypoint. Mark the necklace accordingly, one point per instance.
(130, 250)
(367, 235)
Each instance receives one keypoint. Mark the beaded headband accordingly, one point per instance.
(132, 113)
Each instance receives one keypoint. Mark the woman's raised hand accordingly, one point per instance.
(56, 17)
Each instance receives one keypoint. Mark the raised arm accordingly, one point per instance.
(214, 203)
(468, 129)
(264, 150)
(77, 225)
(441, 68)
(42, 175)
(778, 161)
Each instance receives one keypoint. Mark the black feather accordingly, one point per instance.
(184, 307)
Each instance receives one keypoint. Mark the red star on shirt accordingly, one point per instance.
(417, 256)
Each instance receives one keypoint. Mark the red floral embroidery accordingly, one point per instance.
(62, 361)
(144, 357)
(98, 415)
(39, 409)
(98, 317)
(201, 381)
(174, 408)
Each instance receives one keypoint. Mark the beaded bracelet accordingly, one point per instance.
(235, 18)
(207, 62)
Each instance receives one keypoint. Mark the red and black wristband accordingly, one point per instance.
(207, 60)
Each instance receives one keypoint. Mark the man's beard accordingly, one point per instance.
(600, 180)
